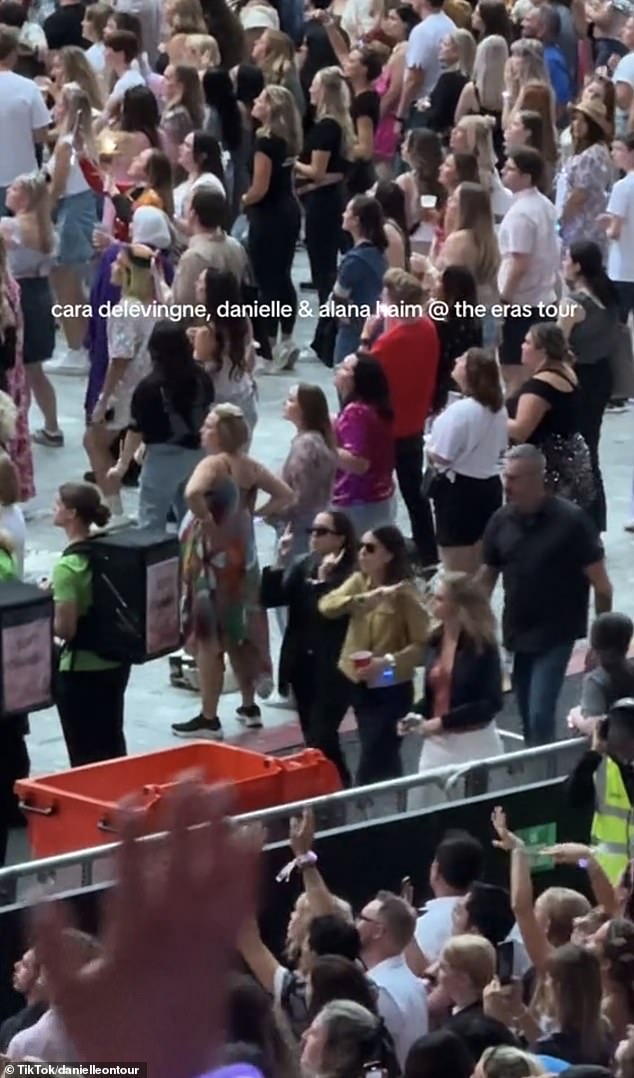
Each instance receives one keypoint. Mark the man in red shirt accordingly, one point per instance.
(408, 349)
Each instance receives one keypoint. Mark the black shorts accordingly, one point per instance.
(514, 331)
(464, 507)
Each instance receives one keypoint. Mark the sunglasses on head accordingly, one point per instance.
(320, 532)
(370, 548)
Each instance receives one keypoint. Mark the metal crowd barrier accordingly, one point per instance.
(348, 808)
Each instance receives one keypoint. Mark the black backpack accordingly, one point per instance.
(135, 611)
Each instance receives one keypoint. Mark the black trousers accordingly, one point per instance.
(273, 235)
(322, 229)
(595, 384)
(378, 712)
(322, 702)
(90, 706)
(14, 764)
(409, 472)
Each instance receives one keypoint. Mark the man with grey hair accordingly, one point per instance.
(544, 23)
(548, 553)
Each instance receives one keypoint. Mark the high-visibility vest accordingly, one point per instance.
(613, 823)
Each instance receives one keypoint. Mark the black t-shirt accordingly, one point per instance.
(443, 100)
(326, 134)
(562, 416)
(542, 557)
(166, 418)
(63, 27)
(281, 182)
(361, 175)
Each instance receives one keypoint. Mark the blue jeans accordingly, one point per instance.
(537, 681)
(165, 471)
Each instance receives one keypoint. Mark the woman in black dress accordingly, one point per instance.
(546, 413)
(321, 169)
(456, 333)
(274, 215)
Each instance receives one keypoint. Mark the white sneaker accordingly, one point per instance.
(285, 356)
(284, 703)
(73, 361)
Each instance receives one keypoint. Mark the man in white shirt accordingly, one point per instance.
(529, 258)
(386, 926)
(148, 12)
(24, 118)
(457, 864)
(422, 61)
(122, 49)
(623, 79)
(619, 221)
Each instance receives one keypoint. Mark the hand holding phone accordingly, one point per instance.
(505, 962)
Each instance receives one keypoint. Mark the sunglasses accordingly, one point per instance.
(321, 532)
(370, 548)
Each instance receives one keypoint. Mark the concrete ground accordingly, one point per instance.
(151, 703)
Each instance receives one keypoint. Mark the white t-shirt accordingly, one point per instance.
(76, 182)
(435, 925)
(621, 250)
(131, 77)
(423, 48)
(624, 70)
(471, 438)
(96, 57)
(402, 1003)
(184, 191)
(22, 111)
(530, 228)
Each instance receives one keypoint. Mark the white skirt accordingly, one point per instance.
(447, 749)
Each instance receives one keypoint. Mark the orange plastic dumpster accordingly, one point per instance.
(74, 809)
(307, 774)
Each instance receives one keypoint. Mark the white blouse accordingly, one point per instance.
(471, 438)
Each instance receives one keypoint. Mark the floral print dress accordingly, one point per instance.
(591, 172)
(19, 448)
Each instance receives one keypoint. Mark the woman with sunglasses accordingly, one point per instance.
(384, 643)
(312, 644)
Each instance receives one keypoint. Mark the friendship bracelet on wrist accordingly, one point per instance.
(305, 860)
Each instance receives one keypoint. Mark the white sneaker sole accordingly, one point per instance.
(200, 735)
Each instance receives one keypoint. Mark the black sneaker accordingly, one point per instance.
(250, 716)
(199, 727)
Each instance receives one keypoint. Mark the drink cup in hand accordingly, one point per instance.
(361, 659)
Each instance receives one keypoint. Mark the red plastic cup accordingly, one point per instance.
(361, 659)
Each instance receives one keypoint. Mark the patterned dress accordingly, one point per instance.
(19, 448)
(591, 172)
(221, 584)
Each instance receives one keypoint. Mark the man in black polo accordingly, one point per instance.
(548, 553)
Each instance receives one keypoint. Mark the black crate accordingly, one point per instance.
(26, 648)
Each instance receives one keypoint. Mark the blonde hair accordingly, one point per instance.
(78, 119)
(403, 287)
(232, 427)
(42, 236)
(279, 58)
(475, 215)
(9, 481)
(530, 52)
(186, 16)
(77, 69)
(466, 47)
(562, 906)
(505, 1061)
(488, 71)
(284, 121)
(335, 103)
(472, 606)
(204, 44)
(479, 131)
(8, 409)
(472, 955)
(97, 15)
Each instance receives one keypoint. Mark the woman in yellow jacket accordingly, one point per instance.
(384, 644)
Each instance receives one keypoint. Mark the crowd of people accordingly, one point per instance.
(459, 175)
(482, 980)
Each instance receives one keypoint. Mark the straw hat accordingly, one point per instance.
(595, 111)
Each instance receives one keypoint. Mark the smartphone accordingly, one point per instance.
(505, 962)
